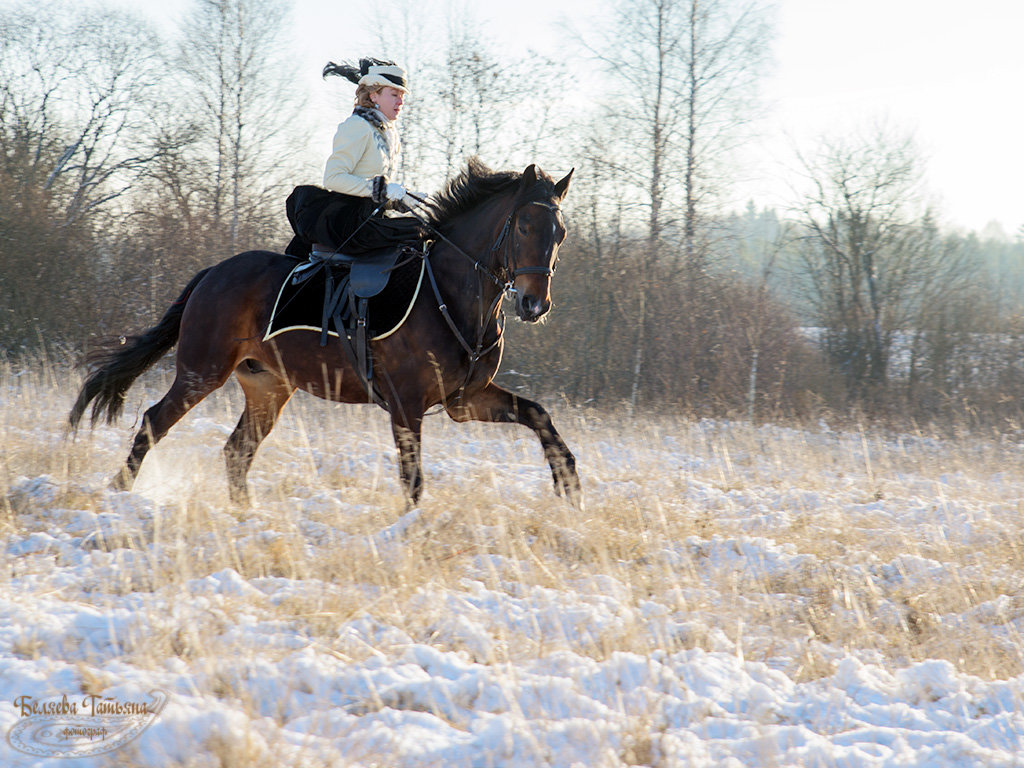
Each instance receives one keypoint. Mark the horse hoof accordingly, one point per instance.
(240, 498)
(574, 495)
(570, 489)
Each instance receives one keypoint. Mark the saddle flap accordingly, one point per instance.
(370, 272)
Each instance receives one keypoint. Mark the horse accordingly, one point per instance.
(496, 234)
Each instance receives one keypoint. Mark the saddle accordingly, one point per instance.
(368, 273)
(356, 299)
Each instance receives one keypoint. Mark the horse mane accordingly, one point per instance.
(477, 183)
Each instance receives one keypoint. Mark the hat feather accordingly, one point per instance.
(352, 72)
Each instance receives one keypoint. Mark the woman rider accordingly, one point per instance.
(349, 214)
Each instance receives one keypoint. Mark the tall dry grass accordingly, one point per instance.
(792, 546)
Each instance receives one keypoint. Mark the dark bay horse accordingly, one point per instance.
(496, 232)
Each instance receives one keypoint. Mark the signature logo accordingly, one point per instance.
(80, 726)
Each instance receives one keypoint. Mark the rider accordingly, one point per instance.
(353, 212)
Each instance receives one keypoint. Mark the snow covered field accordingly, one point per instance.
(731, 595)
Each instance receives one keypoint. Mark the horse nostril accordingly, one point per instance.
(533, 307)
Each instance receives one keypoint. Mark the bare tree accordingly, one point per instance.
(469, 98)
(75, 84)
(687, 72)
(872, 258)
(241, 104)
(74, 87)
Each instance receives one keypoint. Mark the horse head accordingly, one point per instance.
(530, 239)
(519, 214)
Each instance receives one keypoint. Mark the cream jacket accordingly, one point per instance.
(361, 152)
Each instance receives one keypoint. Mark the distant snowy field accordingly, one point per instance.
(731, 595)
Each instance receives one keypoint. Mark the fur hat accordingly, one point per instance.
(371, 72)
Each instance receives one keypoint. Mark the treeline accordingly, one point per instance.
(128, 161)
(749, 342)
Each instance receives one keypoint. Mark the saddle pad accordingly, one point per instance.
(300, 307)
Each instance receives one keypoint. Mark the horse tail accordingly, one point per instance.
(113, 370)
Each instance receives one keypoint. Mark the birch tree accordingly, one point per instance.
(241, 104)
(687, 72)
(469, 97)
(872, 258)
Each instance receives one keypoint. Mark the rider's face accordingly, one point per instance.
(389, 101)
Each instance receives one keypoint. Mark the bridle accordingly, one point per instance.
(504, 280)
(509, 270)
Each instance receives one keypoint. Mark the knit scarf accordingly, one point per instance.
(386, 137)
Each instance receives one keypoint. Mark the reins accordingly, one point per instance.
(506, 286)
(511, 272)
(474, 353)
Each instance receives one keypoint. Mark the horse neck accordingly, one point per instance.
(477, 230)
(474, 232)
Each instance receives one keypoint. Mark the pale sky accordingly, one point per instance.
(951, 72)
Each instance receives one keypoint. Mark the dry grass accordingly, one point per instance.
(790, 546)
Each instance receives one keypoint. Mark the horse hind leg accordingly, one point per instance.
(184, 394)
(265, 396)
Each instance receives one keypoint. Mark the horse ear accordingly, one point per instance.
(530, 175)
(563, 186)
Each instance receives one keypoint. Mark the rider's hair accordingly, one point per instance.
(351, 72)
(363, 95)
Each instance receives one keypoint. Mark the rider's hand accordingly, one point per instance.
(395, 191)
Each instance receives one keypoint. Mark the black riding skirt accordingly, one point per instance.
(343, 222)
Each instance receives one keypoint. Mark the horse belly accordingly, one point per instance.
(323, 371)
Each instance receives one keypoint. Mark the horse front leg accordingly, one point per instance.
(407, 430)
(498, 405)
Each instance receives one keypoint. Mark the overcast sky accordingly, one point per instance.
(949, 71)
